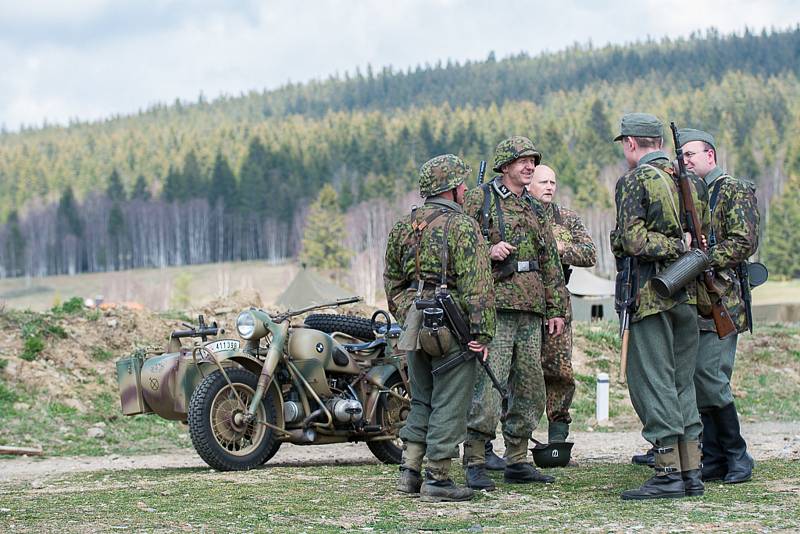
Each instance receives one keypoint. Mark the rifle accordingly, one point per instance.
(625, 302)
(460, 330)
(722, 318)
(481, 172)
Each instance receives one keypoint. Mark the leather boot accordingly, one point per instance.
(667, 482)
(647, 458)
(740, 463)
(525, 473)
(493, 462)
(410, 478)
(438, 487)
(690, 468)
(557, 432)
(715, 465)
(478, 479)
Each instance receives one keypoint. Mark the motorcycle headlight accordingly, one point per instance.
(246, 325)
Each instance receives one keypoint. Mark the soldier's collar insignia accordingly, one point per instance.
(501, 188)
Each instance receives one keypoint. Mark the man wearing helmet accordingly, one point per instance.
(438, 246)
(528, 283)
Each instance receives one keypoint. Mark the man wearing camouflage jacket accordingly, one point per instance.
(528, 289)
(438, 245)
(575, 248)
(733, 239)
(663, 332)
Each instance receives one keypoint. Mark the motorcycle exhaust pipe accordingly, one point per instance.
(681, 272)
(300, 436)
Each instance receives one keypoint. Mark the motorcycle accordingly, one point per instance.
(331, 379)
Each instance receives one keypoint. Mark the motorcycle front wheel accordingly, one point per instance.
(391, 413)
(219, 434)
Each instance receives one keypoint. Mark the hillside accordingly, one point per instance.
(230, 180)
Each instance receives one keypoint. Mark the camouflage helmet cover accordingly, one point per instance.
(512, 149)
(441, 174)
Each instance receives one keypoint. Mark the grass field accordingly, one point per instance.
(363, 499)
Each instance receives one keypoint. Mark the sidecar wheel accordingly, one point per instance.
(391, 413)
(221, 440)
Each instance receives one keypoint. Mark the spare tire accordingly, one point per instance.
(351, 325)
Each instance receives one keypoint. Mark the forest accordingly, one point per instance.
(267, 175)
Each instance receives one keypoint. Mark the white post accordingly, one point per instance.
(601, 402)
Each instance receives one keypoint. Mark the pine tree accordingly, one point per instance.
(140, 189)
(223, 184)
(780, 250)
(115, 190)
(325, 233)
(15, 246)
(193, 178)
(173, 186)
(253, 183)
(68, 216)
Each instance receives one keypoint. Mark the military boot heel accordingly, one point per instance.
(493, 461)
(438, 487)
(690, 468)
(666, 484)
(740, 463)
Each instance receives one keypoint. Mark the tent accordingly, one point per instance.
(310, 287)
(592, 296)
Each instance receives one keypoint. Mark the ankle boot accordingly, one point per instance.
(493, 462)
(689, 452)
(715, 465)
(740, 463)
(409, 482)
(478, 479)
(647, 458)
(525, 473)
(666, 484)
(438, 487)
(557, 432)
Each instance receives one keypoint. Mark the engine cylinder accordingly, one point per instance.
(346, 410)
(292, 412)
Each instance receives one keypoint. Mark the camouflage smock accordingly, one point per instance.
(734, 223)
(468, 272)
(579, 249)
(649, 226)
(526, 228)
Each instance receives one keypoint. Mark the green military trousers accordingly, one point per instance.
(712, 376)
(559, 379)
(515, 357)
(662, 352)
(439, 404)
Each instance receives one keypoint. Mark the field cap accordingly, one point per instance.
(686, 135)
(639, 125)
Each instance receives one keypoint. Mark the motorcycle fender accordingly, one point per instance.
(377, 377)
(129, 380)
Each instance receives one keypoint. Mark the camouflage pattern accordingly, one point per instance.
(649, 226)
(735, 225)
(469, 275)
(441, 174)
(515, 358)
(526, 228)
(514, 148)
(578, 250)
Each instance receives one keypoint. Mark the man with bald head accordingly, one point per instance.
(575, 247)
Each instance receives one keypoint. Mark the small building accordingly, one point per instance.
(592, 296)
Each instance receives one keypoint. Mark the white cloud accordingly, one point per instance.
(94, 58)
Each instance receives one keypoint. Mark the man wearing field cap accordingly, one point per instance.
(733, 239)
(663, 331)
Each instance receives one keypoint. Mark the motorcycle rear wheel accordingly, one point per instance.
(390, 412)
(221, 441)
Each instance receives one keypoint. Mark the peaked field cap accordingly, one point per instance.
(640, 125)
(686, 135)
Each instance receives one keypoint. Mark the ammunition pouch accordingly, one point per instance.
(435, 337)
(680, 273)
(505, 268)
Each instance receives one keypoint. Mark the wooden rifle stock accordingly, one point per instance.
(623, 360)
(722, 318)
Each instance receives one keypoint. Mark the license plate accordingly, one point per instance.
(223, 345)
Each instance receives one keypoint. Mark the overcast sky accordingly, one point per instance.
(88, 59)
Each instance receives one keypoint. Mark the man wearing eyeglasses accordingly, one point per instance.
(733, 239)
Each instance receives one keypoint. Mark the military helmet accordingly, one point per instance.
(441, 174)
(512, 149)
(552, 454)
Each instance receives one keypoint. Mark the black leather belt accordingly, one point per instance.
(425, 285)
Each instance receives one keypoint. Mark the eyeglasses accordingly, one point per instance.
(690, 155)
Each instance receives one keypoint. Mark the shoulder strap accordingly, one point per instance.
(498, 212)
(419, 226)
(666, 183)
(715, 192)
(444, 250)
(487, 200)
